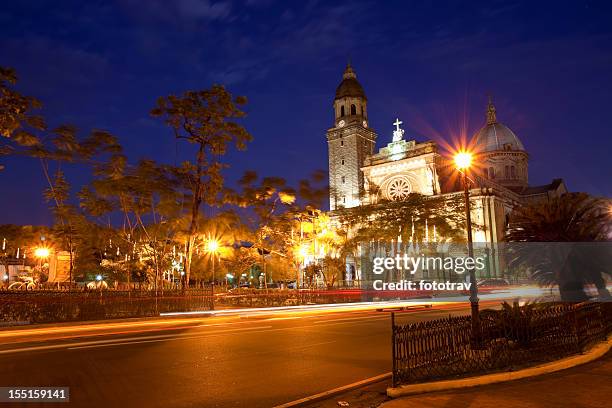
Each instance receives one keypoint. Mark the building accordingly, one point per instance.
(360, 175)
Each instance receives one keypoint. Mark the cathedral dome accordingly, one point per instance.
(496, 136)
(349, 87)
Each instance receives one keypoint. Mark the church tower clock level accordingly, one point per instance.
(349, 142)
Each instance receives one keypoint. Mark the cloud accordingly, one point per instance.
(259, 3)
(204, 9)
(65, 64)
(179, 11)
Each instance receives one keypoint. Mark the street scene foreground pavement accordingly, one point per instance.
(250, 360)
(585, 386)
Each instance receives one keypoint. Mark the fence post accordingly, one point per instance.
(393, 379)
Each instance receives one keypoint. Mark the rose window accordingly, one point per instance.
(398, 189)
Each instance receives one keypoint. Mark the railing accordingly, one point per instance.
(292, 297)
(442, 348)
(23, 307)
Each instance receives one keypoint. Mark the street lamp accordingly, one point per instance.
(212, 247)
(463, 162)
(303, 251)
(41, 252)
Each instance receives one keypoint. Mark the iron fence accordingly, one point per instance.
(249, 297)
(442, 348)
(24, 307)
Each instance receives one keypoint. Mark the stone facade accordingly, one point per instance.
(348, 149)
(349, 143)
(359, 176)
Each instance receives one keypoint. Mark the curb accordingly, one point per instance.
(594, 353)
(335, 391)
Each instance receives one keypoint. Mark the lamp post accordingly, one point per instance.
(212, 247)
(41, 253)
(463, 161)
(303, 252)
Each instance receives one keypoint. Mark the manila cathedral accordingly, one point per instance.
(404, 166)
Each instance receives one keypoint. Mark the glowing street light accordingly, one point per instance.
(212, 248)
(303, 251)
(463, 162)
(42, 252)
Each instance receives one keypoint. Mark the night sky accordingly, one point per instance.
(101, 65)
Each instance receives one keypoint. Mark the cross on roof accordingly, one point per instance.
(397, 124)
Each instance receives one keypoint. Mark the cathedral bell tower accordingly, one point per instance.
(349, 142)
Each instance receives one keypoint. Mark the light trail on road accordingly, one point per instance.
(243, 360)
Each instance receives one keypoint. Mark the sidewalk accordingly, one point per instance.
(585, 386)
(588, 385)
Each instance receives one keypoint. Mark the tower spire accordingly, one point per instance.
(348, 71)
(491, 112)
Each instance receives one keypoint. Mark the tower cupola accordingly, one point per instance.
(350, 102)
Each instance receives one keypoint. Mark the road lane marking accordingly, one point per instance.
(326, 307)
(99, 333)
(127, 340)
(92, 327)
(350, 319)
(153, 339)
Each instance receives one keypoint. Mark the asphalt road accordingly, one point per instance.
(232, 361)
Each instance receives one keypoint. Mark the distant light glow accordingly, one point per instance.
(98, 278)
(41, 252)
(212, 246)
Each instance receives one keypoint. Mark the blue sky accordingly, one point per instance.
(101, 65)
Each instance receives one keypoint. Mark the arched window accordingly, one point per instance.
(342, 111)
(491, 172)
(486, 173)
(512, 172)
(353, 110)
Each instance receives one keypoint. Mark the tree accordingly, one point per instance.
(311, 271)
(224, 230)
(149, 205)
(240, 261)
(18, 239)
(407, 219)
(18, 125)
(268, 201)
(64, 147)
(574, 228)
(332, 269)
(401, 225)
(206, 119)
